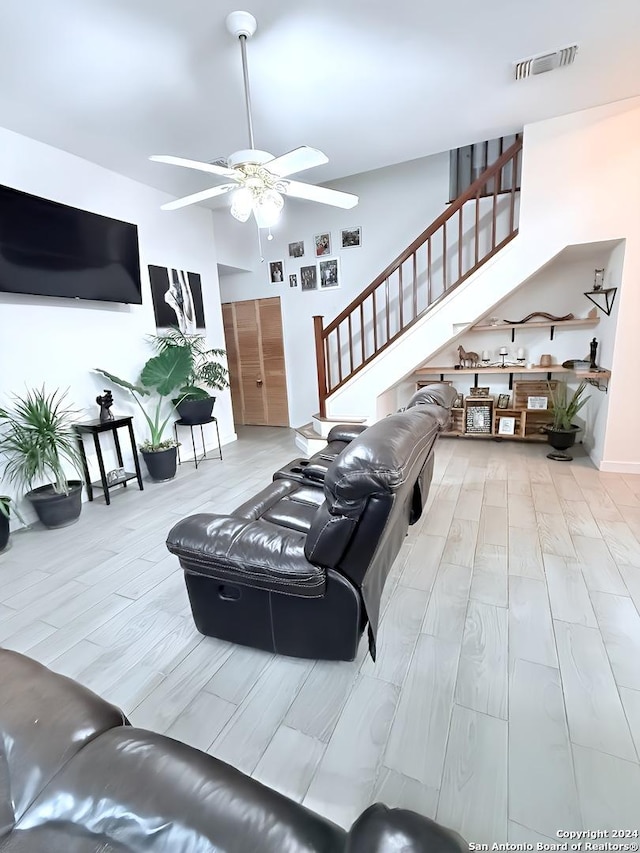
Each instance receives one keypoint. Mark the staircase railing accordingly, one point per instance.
(437, 262)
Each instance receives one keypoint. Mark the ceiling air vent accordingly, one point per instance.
(546, 62)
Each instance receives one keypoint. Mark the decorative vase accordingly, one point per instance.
(196, 411)
(56, 510)
(161, 464)
(561, 440)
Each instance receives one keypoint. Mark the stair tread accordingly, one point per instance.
(339, 420)
(308, 431)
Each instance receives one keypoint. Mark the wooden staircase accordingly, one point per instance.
(477, 225)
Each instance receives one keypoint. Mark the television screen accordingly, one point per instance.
(51, 249)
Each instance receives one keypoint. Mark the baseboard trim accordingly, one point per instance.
(620, 467)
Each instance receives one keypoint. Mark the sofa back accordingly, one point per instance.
(370, 499)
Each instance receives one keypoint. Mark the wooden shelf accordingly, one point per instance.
(593, 374)
(578, 322)
(510, 368)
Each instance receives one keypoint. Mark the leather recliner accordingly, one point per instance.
(299, 569)
(75, 777)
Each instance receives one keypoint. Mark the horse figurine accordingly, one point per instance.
(468, 359)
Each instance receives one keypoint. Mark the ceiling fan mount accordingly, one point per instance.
(261, 180)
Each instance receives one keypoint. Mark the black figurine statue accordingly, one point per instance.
(105, 402)
(593, 349)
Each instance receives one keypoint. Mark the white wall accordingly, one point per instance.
(59, 341)
(396, 204)
(591, 159)
(580, 184)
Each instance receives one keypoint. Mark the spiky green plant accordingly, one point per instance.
(565, 408)
(6, 509)
(38, 439)
(159, 378)
(205, 369)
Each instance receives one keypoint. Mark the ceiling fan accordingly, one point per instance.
(260, 179)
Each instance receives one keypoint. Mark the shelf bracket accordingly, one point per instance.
(596, 384)
(511, 382)
(552, 332)
(513, 336)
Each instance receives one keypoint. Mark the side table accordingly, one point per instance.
(196, 458)
(96, 428)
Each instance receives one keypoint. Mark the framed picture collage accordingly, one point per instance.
(313, 265)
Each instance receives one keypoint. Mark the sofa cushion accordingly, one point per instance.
(139, 791)
(33, 749)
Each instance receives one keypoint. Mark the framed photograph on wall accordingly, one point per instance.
(308, 278)
(322, 244)
(507, 426)
(296, 250)
(276, 272)
(293, 281)
(329, 274)
(177, 299)
(351, 238)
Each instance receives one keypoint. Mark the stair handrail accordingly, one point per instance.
(435, 226)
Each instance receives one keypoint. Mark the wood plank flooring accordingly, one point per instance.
(505, 702)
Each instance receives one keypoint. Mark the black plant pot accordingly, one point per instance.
(161, 464)
(561, 440)
(4, 532)
(195, 411)
(55, 510)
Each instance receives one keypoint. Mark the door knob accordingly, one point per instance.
(259, 383)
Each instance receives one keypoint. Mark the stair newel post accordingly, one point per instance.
(320, 363)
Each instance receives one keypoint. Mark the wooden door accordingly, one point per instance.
(255, 351)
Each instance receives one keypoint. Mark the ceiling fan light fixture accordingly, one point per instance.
(242, 204)
(267, 208)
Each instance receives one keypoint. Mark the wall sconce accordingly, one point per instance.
(602, 297)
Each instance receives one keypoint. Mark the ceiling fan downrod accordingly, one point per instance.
(243, 25)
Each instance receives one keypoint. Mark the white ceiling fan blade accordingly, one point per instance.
(223, 171)
(196, 197)
(325, 196)
(296, 161)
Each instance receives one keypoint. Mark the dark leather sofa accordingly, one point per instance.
(299, 569)
(75, 777)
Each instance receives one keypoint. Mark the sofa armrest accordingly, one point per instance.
(247, 551)
(383, 830)
(345, 432)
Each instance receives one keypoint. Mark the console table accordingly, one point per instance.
(96, 428)
(196, 458)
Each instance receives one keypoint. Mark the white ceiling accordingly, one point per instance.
(369, 82)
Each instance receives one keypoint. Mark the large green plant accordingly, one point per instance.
(206, 374)
(159, 379)
(566, 407)
(38, 439)
(6, 509)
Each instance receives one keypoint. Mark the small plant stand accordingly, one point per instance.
(196, 458)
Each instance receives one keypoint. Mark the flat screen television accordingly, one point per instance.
(51, 249)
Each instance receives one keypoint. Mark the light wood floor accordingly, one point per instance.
(506, 698)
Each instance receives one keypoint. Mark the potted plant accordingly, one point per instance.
(561, 432)
(5, 515)
(159, 378)
(39, 441)
(193, 402)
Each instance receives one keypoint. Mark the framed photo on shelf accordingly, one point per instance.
(537, 402)
(507, 426)
(478, 419)
(479, 391)
(322, 244)
(458, 402)
(351, 238)
(296, 250)
(503, 401)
